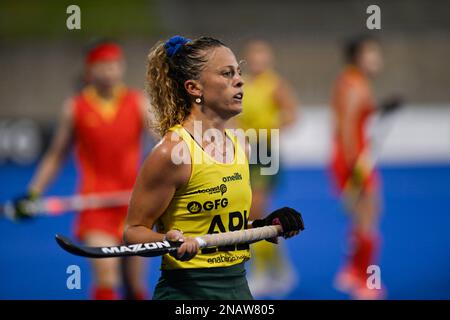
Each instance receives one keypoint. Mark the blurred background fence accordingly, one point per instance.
(41, 59)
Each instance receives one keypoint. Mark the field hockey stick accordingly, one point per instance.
(368, 158)
(153, 249)
(54, 206)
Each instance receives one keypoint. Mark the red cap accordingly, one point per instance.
(104, 52)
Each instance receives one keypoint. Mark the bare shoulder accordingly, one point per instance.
(285, 92)
(167, 161)
(68, 108)
(66, 118)
(283, 84)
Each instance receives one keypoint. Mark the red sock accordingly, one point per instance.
(104, 294)
(364, 250)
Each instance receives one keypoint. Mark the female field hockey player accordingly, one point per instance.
(193, 184)
(353, 104)
(269, 103)
(104, 122)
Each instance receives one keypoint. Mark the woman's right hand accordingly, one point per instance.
(187, 250)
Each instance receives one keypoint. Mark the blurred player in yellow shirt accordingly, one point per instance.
(269, 103)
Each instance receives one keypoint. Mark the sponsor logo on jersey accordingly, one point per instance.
(234, 177)
(221, 188)
(196, 207)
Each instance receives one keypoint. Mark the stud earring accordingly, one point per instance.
(198, 100)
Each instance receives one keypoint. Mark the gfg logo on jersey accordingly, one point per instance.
(137, 247)
(196, 207)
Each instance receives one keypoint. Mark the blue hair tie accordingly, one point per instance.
(174, 44)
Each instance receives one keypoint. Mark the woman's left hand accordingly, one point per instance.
(289, 219)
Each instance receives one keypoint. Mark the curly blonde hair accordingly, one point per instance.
(166, 76)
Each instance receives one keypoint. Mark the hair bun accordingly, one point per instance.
(174, 44)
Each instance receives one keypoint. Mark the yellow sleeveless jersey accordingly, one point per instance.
(260, 110)
(216, 199)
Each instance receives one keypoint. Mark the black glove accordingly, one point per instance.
(21, 206)
(289, 219)
(391, 104)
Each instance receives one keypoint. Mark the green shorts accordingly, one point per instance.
(222, 283)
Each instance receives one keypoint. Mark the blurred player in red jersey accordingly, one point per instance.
(352, 105)
(104, 122)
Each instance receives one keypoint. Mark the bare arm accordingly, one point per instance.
(55, 155)
(347, 122)
(288, 102)
(155, 187)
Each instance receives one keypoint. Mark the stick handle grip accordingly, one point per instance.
(237, 237)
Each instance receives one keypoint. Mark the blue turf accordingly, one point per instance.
(416, 240)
